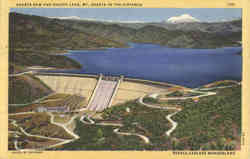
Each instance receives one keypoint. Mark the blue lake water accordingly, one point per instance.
(188, 67)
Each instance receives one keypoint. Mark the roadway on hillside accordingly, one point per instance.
(87, 120)
(102, 96)
(177, 110)
(60, 141)
(20, 74)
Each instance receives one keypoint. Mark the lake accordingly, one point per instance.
(187, 67)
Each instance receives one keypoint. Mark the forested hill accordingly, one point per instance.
(183, 35)
(41, 37)
(54, 34)
(36, 41)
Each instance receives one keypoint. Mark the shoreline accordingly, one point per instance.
(130, 45)
(131, 79)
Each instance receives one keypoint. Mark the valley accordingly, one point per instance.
(150, 121)
(78, 84)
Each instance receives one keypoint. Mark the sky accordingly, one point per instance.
(136, 14)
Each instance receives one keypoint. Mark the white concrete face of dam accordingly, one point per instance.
(83, 86)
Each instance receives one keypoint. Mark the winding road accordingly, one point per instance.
(20, 74)
(61, 141)
(144, 138)
(64, 126)
(34, 102)
(86, 119)
(168, 117)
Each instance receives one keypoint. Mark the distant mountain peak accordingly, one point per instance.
(184, 18)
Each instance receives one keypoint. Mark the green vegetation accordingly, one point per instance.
(191, 94)
(147, 121)
(175, 94)
(18, 109)
(57, 96)
(160, 35)
(210, 121)
(93, 137)
(224, 83)
(39, 124)
(179, 93)
(184, 39)
(62, 117)
(37, 58)
(13, 69)
(55, 100)
(150, 100)
(56, 36)
(36, 40)
(27, 142)
(25, 89)
(219, 84)
(143, 120)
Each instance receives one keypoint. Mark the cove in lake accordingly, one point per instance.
(187, 67)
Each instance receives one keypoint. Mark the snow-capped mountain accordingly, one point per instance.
(184, 18)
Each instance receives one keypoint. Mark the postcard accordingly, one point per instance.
(124, 79)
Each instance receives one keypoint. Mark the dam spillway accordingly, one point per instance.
(123, 89)
(103, 95)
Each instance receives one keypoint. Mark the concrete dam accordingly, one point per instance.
(100, 92)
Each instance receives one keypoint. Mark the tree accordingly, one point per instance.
(99, 133)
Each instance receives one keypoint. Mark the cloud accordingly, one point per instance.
(184, 18)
